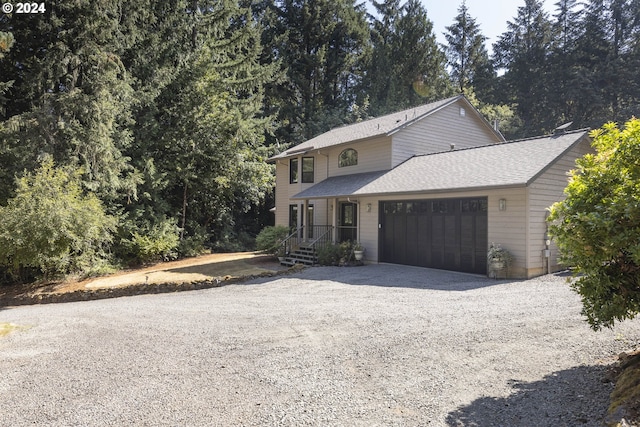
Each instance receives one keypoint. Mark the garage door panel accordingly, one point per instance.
(443, 233)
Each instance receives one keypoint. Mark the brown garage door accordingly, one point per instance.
(450, 234)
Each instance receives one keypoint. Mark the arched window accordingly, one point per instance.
(348, 157)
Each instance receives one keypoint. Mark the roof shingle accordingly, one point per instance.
(378, 126)
(515, 163)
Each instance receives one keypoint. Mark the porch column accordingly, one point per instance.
(334, 220)
(305, 217)
(300, 223)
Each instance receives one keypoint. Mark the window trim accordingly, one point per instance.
(341, 160)
(305, 176)
(294, 171)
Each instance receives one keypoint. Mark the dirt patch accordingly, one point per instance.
(193, 273)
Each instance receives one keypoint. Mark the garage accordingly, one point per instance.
(449, 234)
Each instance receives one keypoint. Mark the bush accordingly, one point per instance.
(329, 255)
(233, 241)
(597, 226)
(52, 226)
(191, 246)
(158, 242)
(270, 239)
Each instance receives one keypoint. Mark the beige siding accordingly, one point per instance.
(284, 190)
(436, 133)
(505, 227)
(373, 155)
(547, 189)
(508, 227)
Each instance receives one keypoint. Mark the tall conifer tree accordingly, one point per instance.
(407, 67)
(522, 51)
(467, 55)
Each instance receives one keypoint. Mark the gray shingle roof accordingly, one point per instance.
(515, 163)
(378, 126)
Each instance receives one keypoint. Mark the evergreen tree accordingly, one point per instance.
(407, 67)
(466, 53)
(564, 80)
(71, 96)
(6, 41)
(605, 62)
(522, 51)
(202, 127)
(321, 44)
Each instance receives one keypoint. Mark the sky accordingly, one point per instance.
(491, 15)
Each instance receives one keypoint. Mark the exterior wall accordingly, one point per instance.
(284, 190)
(547, 189)
(508, 228)
(373, 155)
(437, 132)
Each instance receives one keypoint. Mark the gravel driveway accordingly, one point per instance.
(364, 346)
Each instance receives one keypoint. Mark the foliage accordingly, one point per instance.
(52, 225)
(270, 239)
(321, 46)
(6, 41)
(158, 242)
(406, 67)
(466, 53)
(499, 254)
(329, 255)
(522, 52)
(597, 226)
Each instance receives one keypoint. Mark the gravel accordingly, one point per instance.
(379, 345)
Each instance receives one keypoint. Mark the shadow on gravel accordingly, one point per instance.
(574, 397)
(398, 276)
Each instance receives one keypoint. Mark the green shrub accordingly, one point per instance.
(346, 251)
(52, 226)
(233, 241)
(158, 242)
(329, 255)
(191, 246)
(270, 239)
(597, 226)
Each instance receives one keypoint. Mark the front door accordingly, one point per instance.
(348, 222)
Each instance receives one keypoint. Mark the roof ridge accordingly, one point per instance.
(550, 135)
(407, 110)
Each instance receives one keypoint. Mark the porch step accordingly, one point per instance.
(302, 255)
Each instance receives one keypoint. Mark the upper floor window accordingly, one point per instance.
(293, 171)
(348, 157)
(307, 169)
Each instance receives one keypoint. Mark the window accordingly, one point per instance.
(293, 217)
(307, 169)
(293, 171)
(348, 157)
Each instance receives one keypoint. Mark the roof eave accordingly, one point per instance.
(419, 192)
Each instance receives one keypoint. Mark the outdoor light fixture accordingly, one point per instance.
(502, 204)
(368, 207)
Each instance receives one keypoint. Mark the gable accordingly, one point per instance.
(384, 126)
(456, 125)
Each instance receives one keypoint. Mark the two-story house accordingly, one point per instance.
(431, 186)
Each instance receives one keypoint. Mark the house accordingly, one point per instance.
(431, 186)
